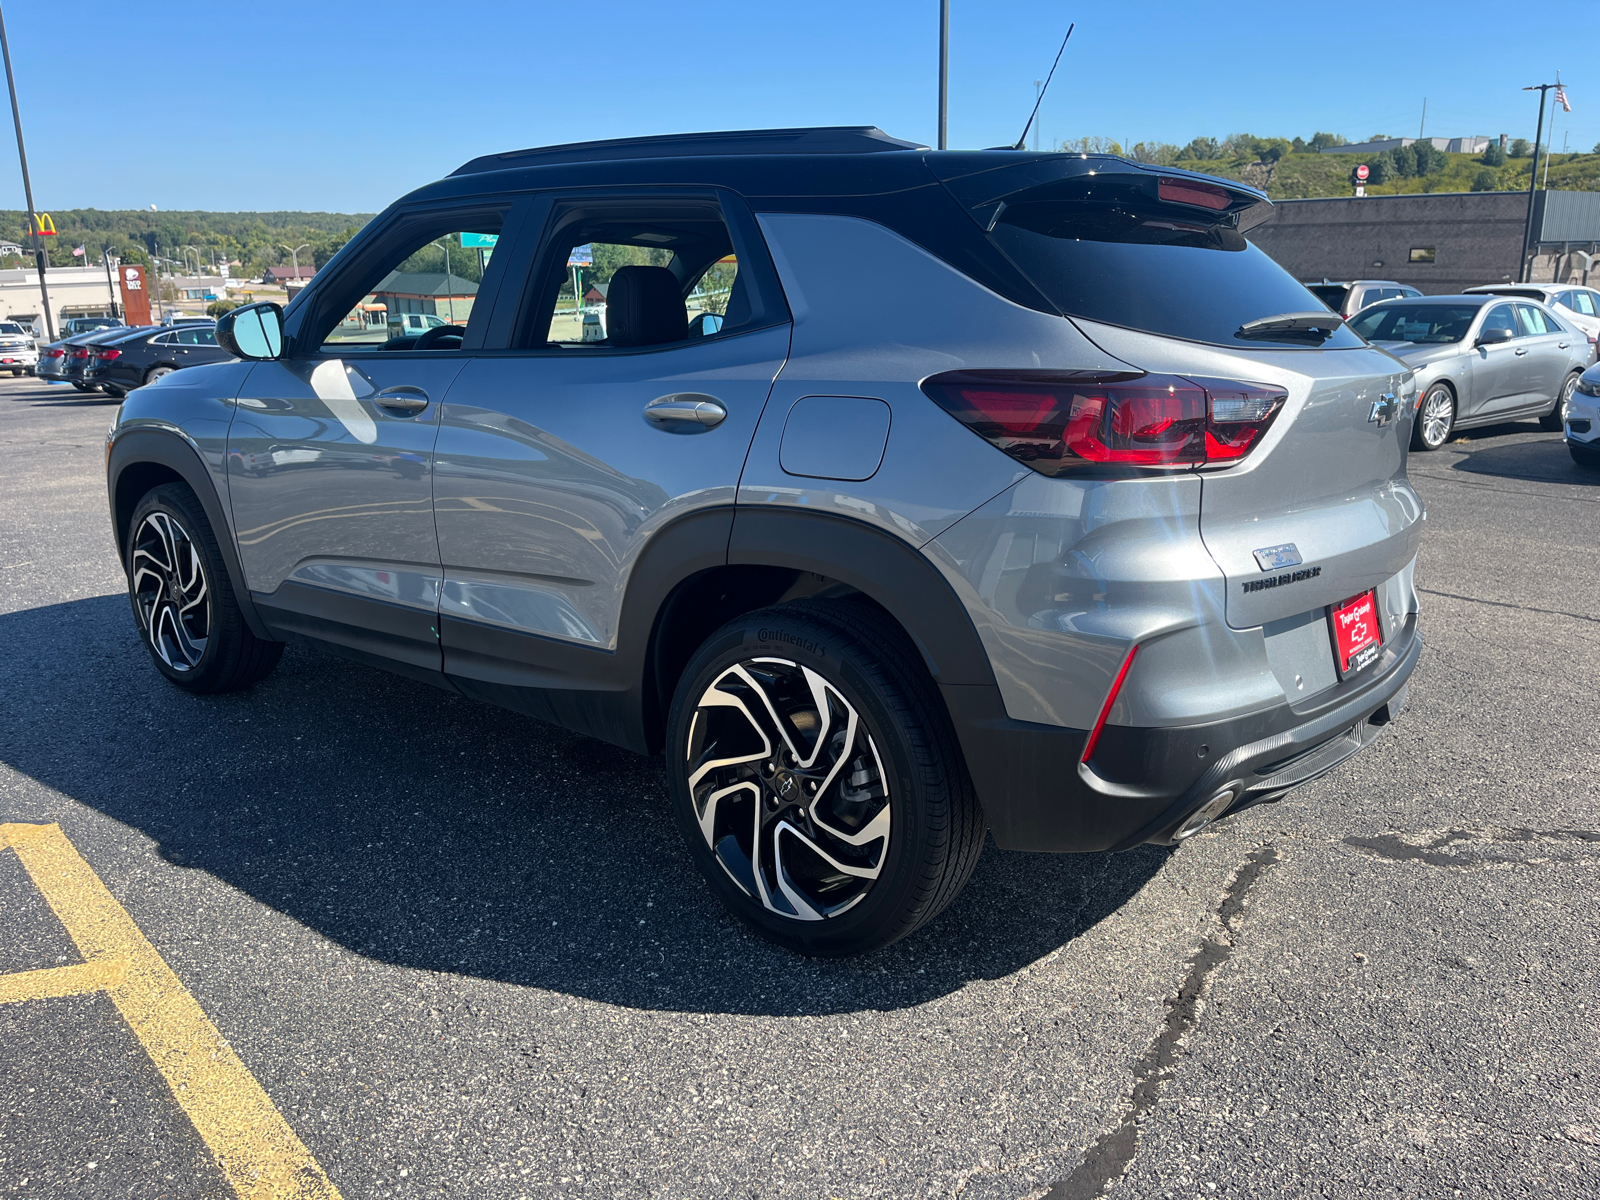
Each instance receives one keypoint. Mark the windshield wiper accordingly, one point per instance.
(1308, 326)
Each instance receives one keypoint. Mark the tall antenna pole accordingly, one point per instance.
(27, 185)
(944, 75)
(1533, 180)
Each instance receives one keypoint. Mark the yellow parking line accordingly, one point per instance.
(256, 1150)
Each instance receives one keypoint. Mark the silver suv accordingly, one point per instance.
(907, 495)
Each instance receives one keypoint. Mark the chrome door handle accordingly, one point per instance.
(1519, 353)
(685, 412)
(1562, 345)
(404, 397)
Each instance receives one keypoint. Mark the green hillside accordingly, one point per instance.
(1297, 176)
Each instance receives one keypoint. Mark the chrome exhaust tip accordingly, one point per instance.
(1207, 813)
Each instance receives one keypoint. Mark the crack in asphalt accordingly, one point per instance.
(1549, 612)
(1465, 849)
(1108, 1159)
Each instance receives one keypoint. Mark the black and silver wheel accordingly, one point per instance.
(1436, 417)
(817, 779)
(1556, 419)
(155, 373)
(183, 600)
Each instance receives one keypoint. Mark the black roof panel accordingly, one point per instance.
(835, 139)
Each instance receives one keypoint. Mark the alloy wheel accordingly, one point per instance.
(1438, 412)
(1567, 389)
(788, 789)
(170, 591)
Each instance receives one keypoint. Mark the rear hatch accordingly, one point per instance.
(1153, 266)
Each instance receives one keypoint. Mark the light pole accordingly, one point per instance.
(449, 300)
(294, 257)
(111, 287)
(27, 186)
(944, 74)
(1533, 180)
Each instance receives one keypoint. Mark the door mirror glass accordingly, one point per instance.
(1493, 337)
(252, 332)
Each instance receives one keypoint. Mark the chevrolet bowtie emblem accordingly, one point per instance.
(1384, 409)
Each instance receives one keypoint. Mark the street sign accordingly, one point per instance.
(1362, 172)
(44, 226)
(581, 256)
(479, 241)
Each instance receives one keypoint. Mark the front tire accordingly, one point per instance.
(155, 373)
(1555, 420)
(1436, 418)
(1586, 457)
(183, 601)
(817, 779)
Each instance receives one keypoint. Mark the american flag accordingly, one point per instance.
(1561, 98)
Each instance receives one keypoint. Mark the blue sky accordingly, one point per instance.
(287, 105)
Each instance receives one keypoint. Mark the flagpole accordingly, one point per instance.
(39, 258)
(1533, 180)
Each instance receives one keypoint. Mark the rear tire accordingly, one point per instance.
(1555, 420)
(1436, 418)
(183, 601)
(832, 828)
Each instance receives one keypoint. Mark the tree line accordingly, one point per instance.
(249, 241)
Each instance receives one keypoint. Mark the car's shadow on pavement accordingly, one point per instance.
(426, 830)
(1543, 461)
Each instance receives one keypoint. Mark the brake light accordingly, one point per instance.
(54, 352)
(80, 352)
(1081, 422)
(1188, 191)
(107, 355)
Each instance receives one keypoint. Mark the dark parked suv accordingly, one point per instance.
(143, 356)
(902, 495)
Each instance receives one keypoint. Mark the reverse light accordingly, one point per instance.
(1082, 422)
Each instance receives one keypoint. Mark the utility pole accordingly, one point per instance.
(450, 300)
(944, 76)
(39, 259)
(1533, 180)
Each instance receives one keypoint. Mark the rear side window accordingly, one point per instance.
(1161, 256)
(1533, 323)
(1583, 302)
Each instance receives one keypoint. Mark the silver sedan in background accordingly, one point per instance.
(1480, 360)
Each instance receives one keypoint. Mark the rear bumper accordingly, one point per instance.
(1145, 783)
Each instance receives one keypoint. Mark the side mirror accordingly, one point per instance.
(252, 332)
(1493, 337)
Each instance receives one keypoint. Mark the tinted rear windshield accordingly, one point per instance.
(1415, 322)
(1110, 246)
(1330, 294)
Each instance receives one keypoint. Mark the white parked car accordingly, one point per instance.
(19, 351)
(413, 324)
(1578, 306)
(1582, 424)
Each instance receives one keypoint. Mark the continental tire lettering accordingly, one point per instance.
(778, 635)
(1288, 577)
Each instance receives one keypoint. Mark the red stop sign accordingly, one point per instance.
(1361, 171)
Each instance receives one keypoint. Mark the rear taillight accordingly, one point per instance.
(107, 355)
(80, 352)
(53, 352)
(1081, 422)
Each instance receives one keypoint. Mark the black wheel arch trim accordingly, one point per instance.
(133, 448)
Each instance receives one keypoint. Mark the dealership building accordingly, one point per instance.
(1438, 242)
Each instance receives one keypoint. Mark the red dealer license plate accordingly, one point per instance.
(1357, 640)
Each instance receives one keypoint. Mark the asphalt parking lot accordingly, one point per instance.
(464, 954)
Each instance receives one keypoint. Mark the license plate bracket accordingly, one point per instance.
(1357, 637)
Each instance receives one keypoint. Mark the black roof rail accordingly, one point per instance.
(835, 139)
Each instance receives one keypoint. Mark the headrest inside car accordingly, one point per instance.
(644, 307)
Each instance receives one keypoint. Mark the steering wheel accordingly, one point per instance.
(435, 338)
